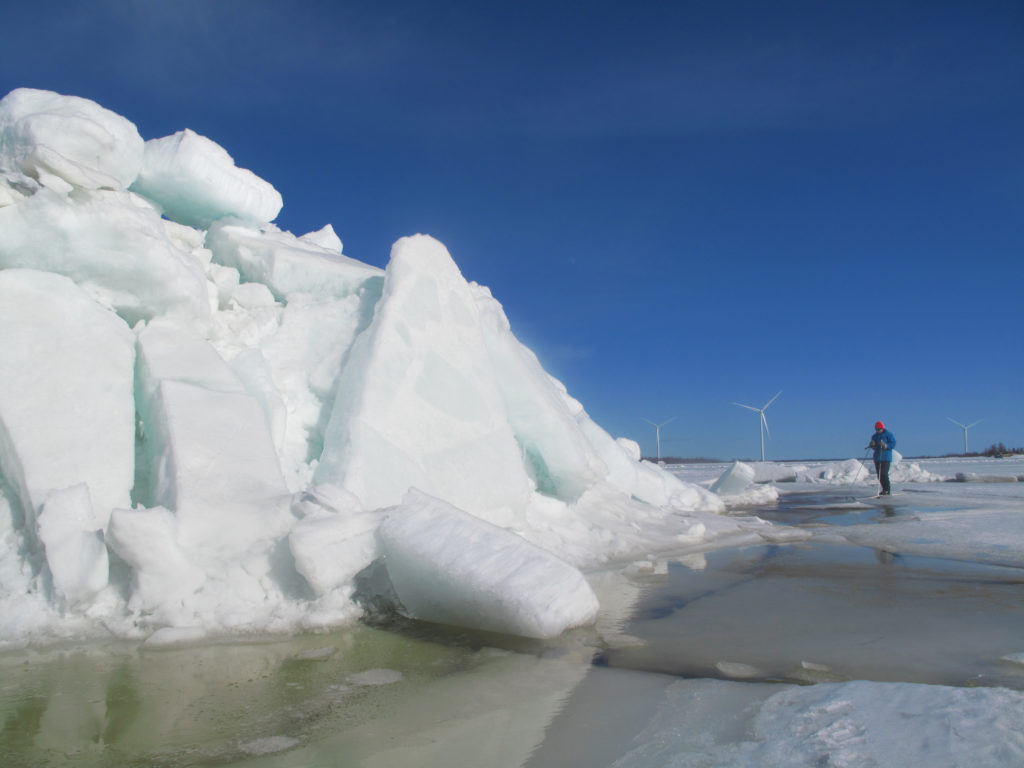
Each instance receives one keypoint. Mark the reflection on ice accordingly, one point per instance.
(811, 612)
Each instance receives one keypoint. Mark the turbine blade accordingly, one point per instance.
(748, 407)
(957, 423)
(669, 421)
(772, 400)
(766, 430)
(649, 422)
(971, 425)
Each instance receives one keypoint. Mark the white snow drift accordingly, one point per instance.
(208, 424)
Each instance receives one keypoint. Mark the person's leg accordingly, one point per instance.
(878, 472)
(883, 477)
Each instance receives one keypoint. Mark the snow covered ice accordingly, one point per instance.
(195, 182)
(63, 142)
(488, 578)
(55, 435)
(206, 419)
(737, 484)
(419, 396)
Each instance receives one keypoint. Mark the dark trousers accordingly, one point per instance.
(882, 469)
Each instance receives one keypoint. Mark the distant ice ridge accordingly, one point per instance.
(210, 425)
(857, 471)
(842, 472)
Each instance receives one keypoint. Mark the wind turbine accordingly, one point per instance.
(764, 421)
(657, 432)
(965, 427)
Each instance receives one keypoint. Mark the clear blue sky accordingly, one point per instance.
(679, 204)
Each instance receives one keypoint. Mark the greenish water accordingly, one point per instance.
(410, 695)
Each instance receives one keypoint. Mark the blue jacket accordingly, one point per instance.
(883, 443)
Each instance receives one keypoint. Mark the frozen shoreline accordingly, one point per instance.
(447, 687)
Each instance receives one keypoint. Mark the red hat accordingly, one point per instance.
(879, 425)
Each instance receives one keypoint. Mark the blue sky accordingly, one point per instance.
(679, 204)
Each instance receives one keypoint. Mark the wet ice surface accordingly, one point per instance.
(740, 656)
(695, 662)
(818, 611)
(810, 508)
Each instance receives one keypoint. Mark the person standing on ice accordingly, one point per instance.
(882, 442)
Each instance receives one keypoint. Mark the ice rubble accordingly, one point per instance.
(64, 142)
(841, 472)
(208, 424)
(737, 484)
(501, 582)
(195, 182)
(857, 471)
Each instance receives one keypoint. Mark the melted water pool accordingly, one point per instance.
(813, 612)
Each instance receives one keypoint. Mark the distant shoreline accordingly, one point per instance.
(705, 460)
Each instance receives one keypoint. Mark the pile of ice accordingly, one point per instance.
(774, 472)
(849, 471)
(209, 424)
(910, 472)
(857, 471)
(738, 487)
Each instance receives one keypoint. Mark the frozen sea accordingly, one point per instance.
(864, 633)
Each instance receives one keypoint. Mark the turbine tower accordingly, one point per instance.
(657, 432)
(965, 427)
(763, 420)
